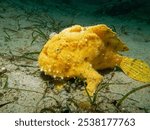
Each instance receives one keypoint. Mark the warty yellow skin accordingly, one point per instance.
(79, 51)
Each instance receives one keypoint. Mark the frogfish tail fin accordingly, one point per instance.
(135, 69)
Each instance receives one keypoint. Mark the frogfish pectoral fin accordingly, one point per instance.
(136, 69)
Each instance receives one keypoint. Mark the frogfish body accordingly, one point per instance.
(79, 51)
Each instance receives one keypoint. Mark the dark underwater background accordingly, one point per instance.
(25, 26)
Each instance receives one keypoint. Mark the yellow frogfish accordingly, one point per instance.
(79, 51)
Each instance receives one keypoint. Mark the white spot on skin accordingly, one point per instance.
(41, 69)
